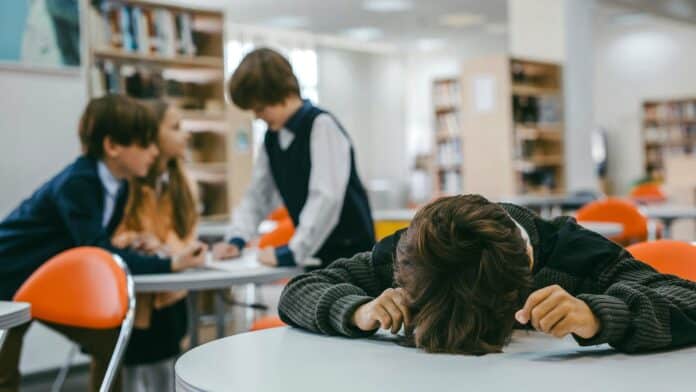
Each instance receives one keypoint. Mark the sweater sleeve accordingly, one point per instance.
(641, 309)
(81, 212)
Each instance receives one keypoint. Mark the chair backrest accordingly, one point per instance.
(81, 287)
(612, 209)
(266, 323)
(279, 214)
(84, 287)
(280, 236)
(668, 257)
(648, 192)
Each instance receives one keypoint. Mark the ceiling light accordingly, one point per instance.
(430, 44)
(387, 5)
(288, 22)
(496, 28)
(363, 33)
(631, 19)
(462, 20)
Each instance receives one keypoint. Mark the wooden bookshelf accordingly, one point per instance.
(151, 50)
(513, 133)
(446, 160)
(669, 129)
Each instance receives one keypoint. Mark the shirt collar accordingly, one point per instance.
(528, 242)
(294, 121)
(110, 183)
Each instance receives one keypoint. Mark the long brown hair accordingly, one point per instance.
(179, 190)
(464, 265)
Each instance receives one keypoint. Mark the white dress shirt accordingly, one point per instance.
(111, 187)
(328, 180)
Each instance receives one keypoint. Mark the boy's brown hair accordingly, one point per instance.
(264, 77)
(464, 265)
(118, 117)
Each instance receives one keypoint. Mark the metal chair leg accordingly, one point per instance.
(63, 373)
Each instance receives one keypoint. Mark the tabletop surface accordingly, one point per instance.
(14, 313)
(670, 211)
(288, 359)
(607, 229)
(218, 275)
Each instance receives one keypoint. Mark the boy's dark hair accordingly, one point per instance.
(124, 120)
(464, 265)
(264, 77)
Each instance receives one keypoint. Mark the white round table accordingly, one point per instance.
(668, 213)
(13, 314)
(288, 359)
(607, 229)
(209, 279)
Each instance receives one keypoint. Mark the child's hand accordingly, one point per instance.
(146, 243)
(268, 257)
(191, 257)
(552, 310)
(224, 250)
(388, 311)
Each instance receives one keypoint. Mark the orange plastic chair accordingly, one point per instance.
(649, 192)
(616, 210)
(279, 214)
(85, 287)
(280, 236)
(266, 323)
(668, 257)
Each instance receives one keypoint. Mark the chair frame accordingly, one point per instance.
(121, 342)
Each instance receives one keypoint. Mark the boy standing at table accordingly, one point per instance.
(307, 162)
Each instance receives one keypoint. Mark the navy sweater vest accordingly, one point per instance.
(291, 169)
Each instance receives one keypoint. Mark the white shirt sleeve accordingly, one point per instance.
(328, 180)
(259, 200)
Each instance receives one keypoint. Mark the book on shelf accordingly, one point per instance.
(143, 30)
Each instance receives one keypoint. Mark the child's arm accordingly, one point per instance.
(325, 300)
(80, 212)
(259, 200)
(641, 309)
(330, 153)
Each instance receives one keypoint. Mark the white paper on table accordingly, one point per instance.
(248, 260)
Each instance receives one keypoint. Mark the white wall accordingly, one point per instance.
(578, 91)
(536, 29)
(365, 92)
(39, 113)
(653, 60)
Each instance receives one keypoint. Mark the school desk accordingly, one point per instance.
(668, 213)
(12, 314)
(240, 272)
(288, 359)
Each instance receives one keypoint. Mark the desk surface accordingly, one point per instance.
(208, 279)
(607, 229)
(670, 211)
(13, 314)
(285, 359)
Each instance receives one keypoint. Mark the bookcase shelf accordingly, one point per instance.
(150, 50)
(669, 129)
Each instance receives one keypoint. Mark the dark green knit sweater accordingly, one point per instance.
(639, 309)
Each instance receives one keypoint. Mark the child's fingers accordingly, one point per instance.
(524, 314)
(382, 315)
(562, 328)
(401, 302)
(552, 318)
(544, 307)
(394, 314)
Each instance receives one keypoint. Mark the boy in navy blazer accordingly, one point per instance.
(82, 205)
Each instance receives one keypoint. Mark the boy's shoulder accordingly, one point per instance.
(80, 173)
